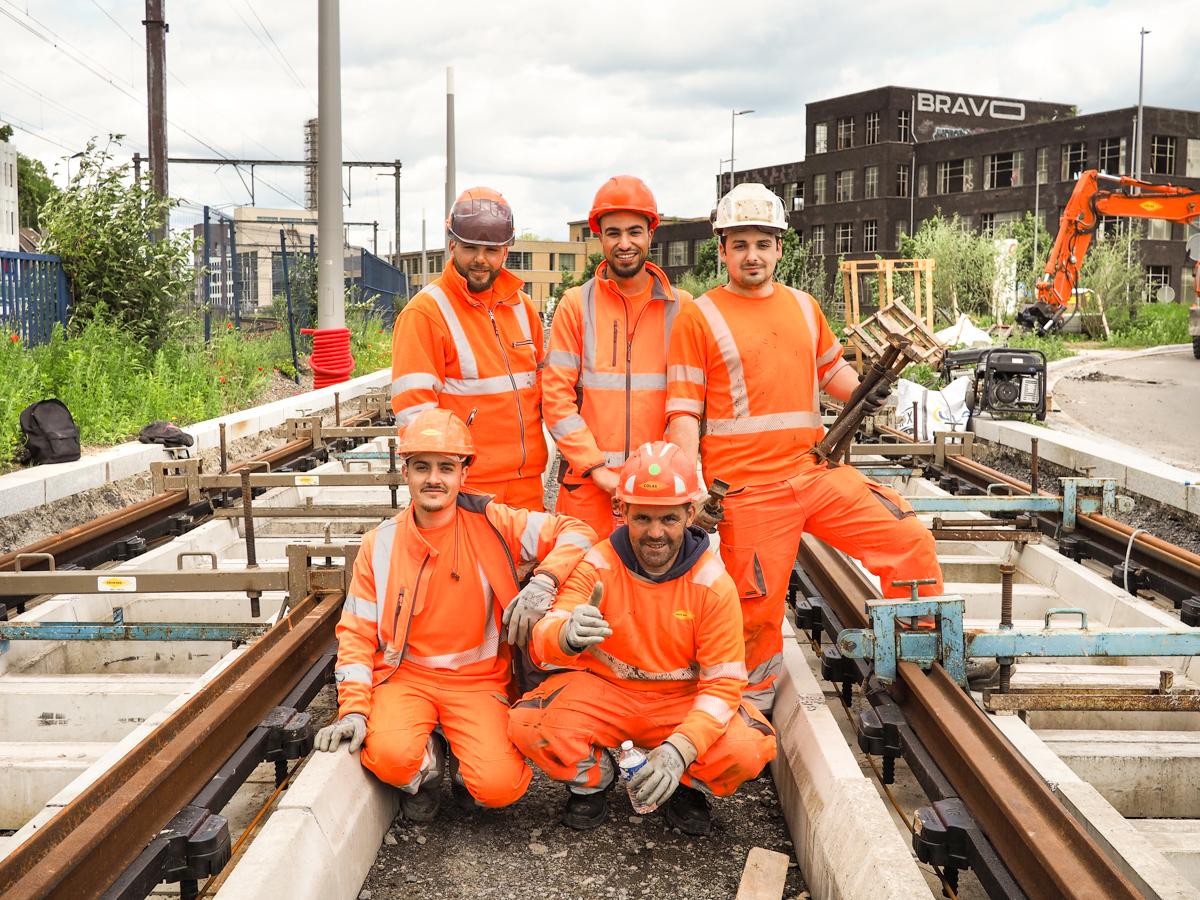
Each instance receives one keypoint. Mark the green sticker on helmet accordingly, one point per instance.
(655, 468)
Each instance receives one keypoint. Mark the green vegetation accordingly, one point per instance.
(965, 263)
(1152, 325)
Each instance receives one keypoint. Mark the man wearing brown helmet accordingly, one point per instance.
(471, 342)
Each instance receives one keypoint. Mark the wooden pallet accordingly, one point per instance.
(869, 338)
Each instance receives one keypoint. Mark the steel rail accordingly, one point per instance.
(1049, 853)
(86, 846)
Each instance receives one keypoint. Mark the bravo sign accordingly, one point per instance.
(970, 106)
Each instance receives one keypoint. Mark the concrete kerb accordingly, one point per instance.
(29, 488)
(845, 840)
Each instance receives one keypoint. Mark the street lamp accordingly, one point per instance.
(733, 114)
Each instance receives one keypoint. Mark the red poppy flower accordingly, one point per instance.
(15, 338)
(221, 379)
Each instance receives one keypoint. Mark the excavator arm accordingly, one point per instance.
(1097, 195)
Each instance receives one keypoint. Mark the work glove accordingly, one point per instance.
(657, 780)
(877, 397)
(352, 727)
(586, 627)
(527, 608)
(706, 519)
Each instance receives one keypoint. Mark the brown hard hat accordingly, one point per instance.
(481, 215)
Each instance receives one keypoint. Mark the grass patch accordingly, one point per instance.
(1154, 325)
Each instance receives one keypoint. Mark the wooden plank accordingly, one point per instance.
(764, 876)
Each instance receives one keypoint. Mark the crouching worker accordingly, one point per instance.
(425, 633)
(654, 623)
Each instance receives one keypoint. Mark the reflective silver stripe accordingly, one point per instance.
(724, 670)
(669, 313)
(829, 375)
(773, 422)
(715, 707)
(381, 558)
(829, 355)
(684, 405)
(522, 312)
(416, 381)
(574, 539)
(765, 670)
(615, 381)
(729, 354)
(569, 425)
(596, 558)
(588, 294)
(635, 673)
(497, 384)
(406, 415)
(355, 672)
(466, 356)
(614, 459)
(808, 309)
(690, 374)
(487, 649)
(564, 358)
(708, 572)
(529, 537)
(364, 609)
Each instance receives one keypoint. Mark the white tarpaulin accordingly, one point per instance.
(963, 333)
(940, 410)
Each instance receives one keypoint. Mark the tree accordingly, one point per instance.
(964, 263)
(100, 226)
(569, 281)
(1112, 269)
(706, 259)
(1030, 267)
(799, 267)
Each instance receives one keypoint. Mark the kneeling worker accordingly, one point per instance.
(662, 660)
(421, 637)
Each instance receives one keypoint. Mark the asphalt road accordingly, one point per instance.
(1150, 402)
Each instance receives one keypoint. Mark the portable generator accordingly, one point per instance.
(1011, 381)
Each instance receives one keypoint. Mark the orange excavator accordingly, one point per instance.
(1096, 195)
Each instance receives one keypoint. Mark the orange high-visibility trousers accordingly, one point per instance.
(761, 533)
(474, 720)
(523, 493)
(565, 723)
(589, 504)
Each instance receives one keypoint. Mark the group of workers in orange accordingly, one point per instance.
(482, 633)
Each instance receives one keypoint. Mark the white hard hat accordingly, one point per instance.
(750, 205)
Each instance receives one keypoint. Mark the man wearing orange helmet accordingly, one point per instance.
(422, 637)
(471, 341)
(651, 623)
(748, 360)
(604, 385)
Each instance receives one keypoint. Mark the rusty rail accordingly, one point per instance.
(81, 850)
(1049, 853)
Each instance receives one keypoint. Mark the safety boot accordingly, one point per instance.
(585, 811)
(689, 811)
(423, 806)
(458, 790)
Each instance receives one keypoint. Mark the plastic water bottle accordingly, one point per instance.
(632, 759)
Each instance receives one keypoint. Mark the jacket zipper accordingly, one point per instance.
(513, 381)
(400, 606)
(614, 355)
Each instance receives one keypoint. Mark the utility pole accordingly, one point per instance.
(1137, 150)
(733, 114)
(156, 94)
(450, 191)
(396, 175)
(331, 311)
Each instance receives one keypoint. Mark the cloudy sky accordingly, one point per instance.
(552, 98)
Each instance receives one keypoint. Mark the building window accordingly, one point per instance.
(818, 240)
(1074, 160)
(1001, 170)
(1158, 230)
(1112, 156)
(697, 244)
(1162, 155)
(902, 180)
(1156, 277)
(1043, 165)
(845, 185)
(987, 224)
(845, 237)
(870, 235)
(1108, 226)
(248, 276)
(566, 261)
(904, 126)
(845, 133)
(656, 254)
(519, 261)
(818, 190)
(677, 253)
(872, 128)
(528, 289)
(951, 176)
(901, 231)
(820, 137)
(793, 195)
(870, 182)
(923, 181)
(1193, 159)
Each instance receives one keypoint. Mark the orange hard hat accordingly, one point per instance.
(658, 474)
(437, 431)
(481, 215)
(623, 193)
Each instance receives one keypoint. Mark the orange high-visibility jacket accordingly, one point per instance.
(604, 388)
(675, 636)
(751, 369)
(483, 352)
(394, 568)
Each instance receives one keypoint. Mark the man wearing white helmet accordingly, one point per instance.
(746, 365)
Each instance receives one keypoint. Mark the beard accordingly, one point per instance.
(473, 278)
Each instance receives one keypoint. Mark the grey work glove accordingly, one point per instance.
(352, 727)
(527, 608)
(657, 780)
(877, 397)
(587, 626)
(707, 520)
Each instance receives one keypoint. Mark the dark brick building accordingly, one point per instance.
(879, 162)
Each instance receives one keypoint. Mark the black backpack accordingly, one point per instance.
(51, 435)
(165, 433)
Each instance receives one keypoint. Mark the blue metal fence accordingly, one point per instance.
(33, 295)
(381, 283)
